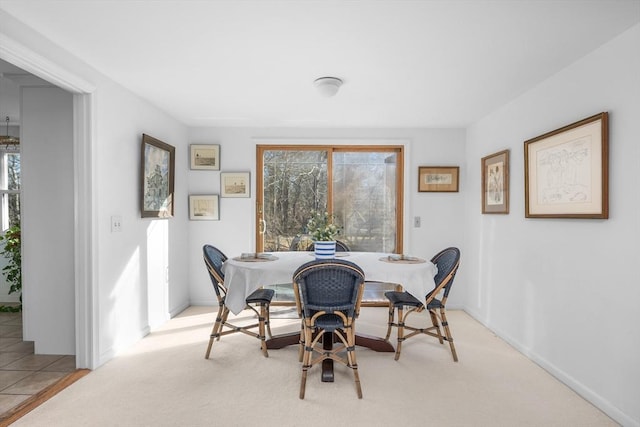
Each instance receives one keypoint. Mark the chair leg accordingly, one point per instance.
(225, 317)
(351, 357)
(447, 331)
(213, 334)
(261, 329)
(436, 325)
(217, 327)
(301, 345)
(400, 331)
(392, 310)
(306, 360)
(268, 321)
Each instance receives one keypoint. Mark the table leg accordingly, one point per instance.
(280, 341)
(327, 364)
(374, 343)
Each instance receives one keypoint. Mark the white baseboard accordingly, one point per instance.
(586, 393)
(179, 309)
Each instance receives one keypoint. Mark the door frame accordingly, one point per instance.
(84, 146)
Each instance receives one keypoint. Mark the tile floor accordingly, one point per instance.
(22, 373)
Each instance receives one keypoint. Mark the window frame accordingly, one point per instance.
(4, 201)
(398, 149)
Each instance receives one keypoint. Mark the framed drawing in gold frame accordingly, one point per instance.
(438, 178)
(495, 183)
(566, 171)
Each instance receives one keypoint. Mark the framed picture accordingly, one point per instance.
(158, 171)
(495, 183)
(566, 171)
(438, 178)
(204, 207)
(235, 184)
(205, 157)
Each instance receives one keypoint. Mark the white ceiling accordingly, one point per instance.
(425, 63)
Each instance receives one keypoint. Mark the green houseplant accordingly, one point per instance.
(13, 270)
(321, 227)
(323, 232)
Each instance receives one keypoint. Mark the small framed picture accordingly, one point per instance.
(235, 184)
(205, 157)
(204, 207)
(495, 183)
(566, 171)
(438, 178)
(158, 166)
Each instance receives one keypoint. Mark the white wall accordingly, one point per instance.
(143, 269)
(131, 288)
(47, 230)
(235, 232)
(565, 291)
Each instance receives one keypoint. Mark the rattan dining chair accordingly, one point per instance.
(258, 302)
(447, 262)
(328, 295)
(342, 246)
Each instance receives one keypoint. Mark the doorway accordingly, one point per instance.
(79, 317)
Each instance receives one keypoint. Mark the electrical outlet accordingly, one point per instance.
(416, 221)
(116, 223)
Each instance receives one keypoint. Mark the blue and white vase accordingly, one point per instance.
(325, 250)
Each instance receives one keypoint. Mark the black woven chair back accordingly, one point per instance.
(214, 258)
(342, 246)
(329, 285)
(447, 262)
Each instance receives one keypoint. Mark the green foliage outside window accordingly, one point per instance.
(13, 270)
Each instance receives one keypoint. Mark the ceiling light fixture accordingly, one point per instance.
(328, 86)
(8, 139)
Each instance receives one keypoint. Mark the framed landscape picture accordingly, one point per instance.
(204, 207)
(204, 157)
(438, 178)
(495, 183)
(567, 172)
(235, 184)
(158, 170)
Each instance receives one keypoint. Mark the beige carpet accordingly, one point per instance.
(165, 381)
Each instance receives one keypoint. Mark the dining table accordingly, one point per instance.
(247, 272)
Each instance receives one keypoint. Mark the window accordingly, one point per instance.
(9, 187)
(361, 186)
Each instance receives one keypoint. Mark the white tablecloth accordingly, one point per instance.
(242, 277)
